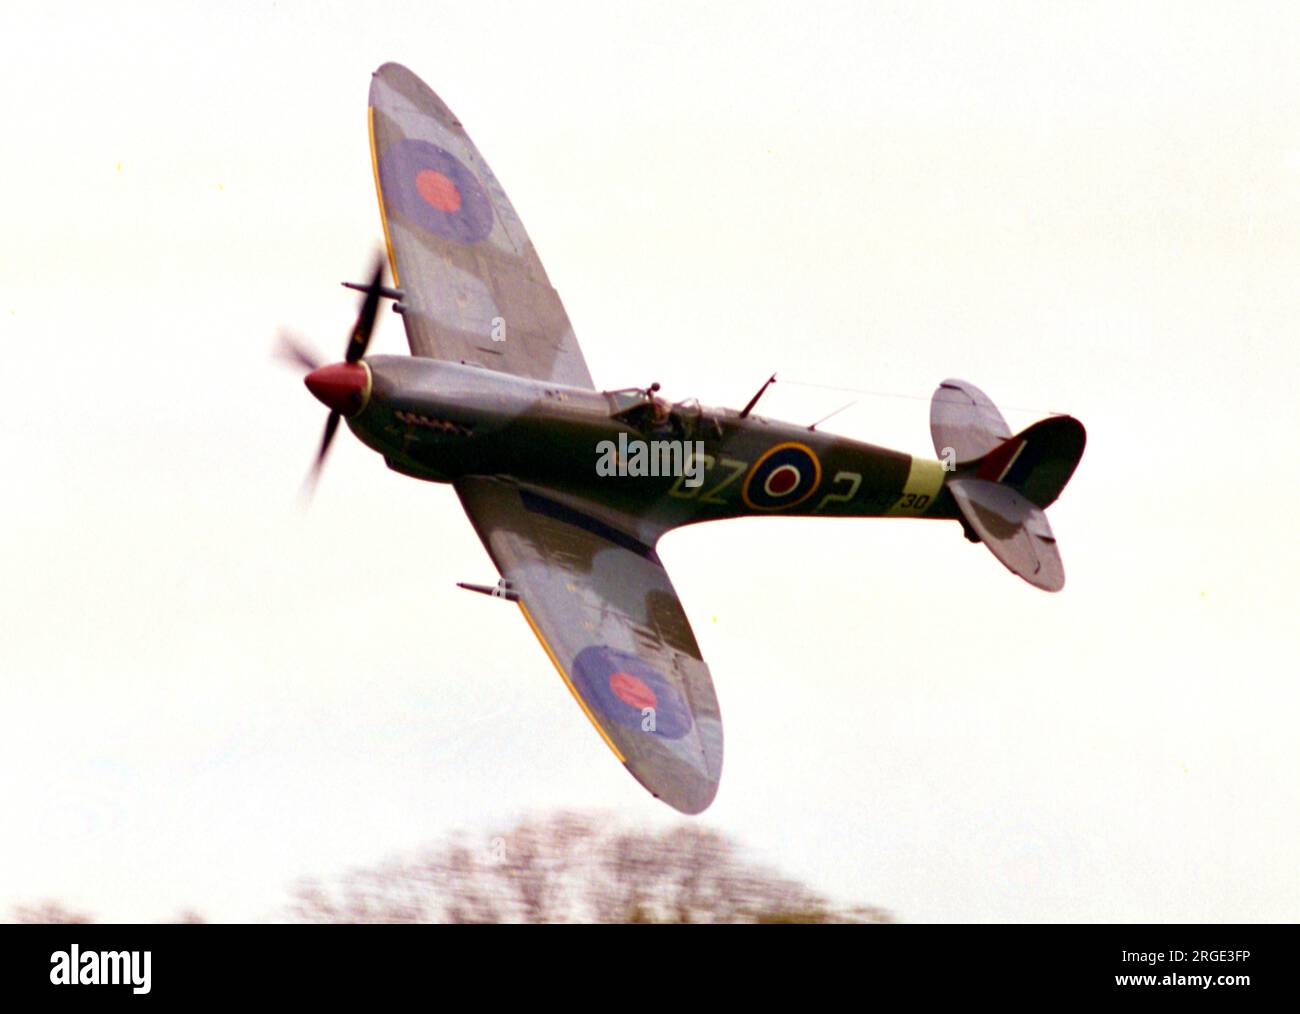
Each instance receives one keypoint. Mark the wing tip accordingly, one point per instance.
(394, 79)
(691, 797)
(391, 67)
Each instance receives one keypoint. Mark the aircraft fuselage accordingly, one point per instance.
(439, 421)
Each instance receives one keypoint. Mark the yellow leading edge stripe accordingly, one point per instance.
(379, 190)
(569, 683)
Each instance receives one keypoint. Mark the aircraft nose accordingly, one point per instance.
(342, 387)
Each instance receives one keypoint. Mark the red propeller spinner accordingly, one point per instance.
(340, 387)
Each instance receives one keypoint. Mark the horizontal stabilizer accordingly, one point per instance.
(965, 421)
(1015, 530)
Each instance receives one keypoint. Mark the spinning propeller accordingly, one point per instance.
(342, 387)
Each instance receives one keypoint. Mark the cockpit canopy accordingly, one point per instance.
(643, 409)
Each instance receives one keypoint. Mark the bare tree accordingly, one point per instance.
(49, 911)
(56, 912)
(574, 868)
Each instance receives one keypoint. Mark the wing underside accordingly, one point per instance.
(475, 290)
(601, 604)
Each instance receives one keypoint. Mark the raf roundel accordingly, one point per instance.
(432, 189)
(783, 477)
(630, 691)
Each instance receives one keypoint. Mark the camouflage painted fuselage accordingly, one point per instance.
(442, 421)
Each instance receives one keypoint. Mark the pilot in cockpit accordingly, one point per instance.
(644, 409)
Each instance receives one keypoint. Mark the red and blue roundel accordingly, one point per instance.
(625, 688)
(784, 476)
(431, 188)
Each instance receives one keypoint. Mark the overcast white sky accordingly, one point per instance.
(205, 694)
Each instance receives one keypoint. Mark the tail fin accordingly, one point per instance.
(1003, 483)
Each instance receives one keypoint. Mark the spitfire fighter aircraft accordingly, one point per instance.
(562, 480)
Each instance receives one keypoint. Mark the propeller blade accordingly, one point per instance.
(360, 339)
(327, 388)
(313, 477)
(289, 349)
